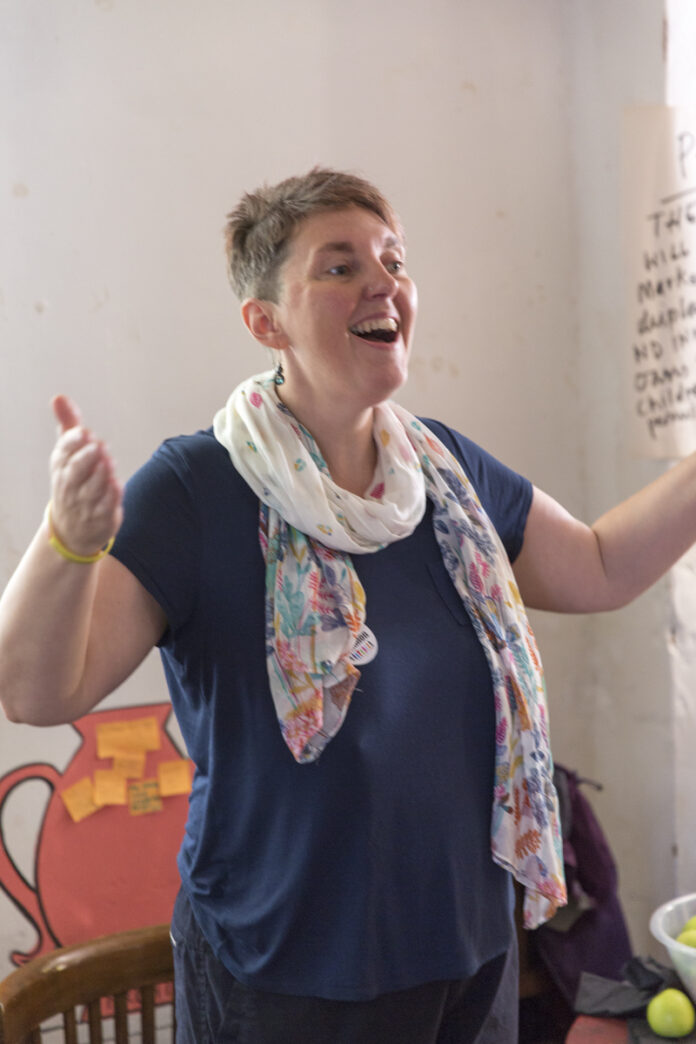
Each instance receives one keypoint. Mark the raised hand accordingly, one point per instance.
(86, 498)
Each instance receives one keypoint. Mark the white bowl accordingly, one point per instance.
(665, 924)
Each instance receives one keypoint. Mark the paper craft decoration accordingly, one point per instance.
(78, 799)
(174, 777)
(130, 763)
(126, 743)
(109, 788)
(659, 202)
(144, 797)
(114, 737)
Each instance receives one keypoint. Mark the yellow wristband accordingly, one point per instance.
(65, 552)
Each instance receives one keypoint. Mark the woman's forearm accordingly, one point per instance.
(567, 566)
(47, 608)
(45, 615)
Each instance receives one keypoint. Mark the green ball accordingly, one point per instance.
(671, 1014)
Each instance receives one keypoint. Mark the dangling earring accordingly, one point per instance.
(279, 376)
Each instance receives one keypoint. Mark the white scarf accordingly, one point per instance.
(315, 604)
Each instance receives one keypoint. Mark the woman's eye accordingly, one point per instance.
(395, 266)
(339, 270)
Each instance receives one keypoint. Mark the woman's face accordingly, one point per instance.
(346, 310)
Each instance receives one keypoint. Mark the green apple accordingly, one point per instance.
(690, 924)
(671, 1014)
(688, 937)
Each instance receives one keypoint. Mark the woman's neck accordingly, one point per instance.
(351, 467)
(346, 444)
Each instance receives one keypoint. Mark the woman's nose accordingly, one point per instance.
(380, 282)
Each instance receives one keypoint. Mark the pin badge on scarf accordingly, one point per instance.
(365, 648)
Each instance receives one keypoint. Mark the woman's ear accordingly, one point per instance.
(260, 320)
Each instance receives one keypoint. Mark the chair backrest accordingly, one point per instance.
(118, 977)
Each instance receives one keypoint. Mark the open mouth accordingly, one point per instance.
(384, 330)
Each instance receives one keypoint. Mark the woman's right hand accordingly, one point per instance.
(86, 498)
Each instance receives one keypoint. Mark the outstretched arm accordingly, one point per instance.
(71, 632)
(567, 566)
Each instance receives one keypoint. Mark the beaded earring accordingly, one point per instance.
(279, 376)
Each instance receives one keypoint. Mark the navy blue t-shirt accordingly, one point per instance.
(369, 870)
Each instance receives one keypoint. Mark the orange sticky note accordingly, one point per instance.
(129, 763)
(136, 734)
(109, 788)
(144, 797)
(79, 800)
(174, 777)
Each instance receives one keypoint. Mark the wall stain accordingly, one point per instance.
(100, 299)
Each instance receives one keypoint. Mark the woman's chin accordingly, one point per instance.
(397, 377)
(386, 387)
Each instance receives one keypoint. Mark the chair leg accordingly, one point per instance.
(121, 1018)
(95, 1022)
(70, 1026)
(147, 1009)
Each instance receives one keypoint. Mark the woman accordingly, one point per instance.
(345, 648)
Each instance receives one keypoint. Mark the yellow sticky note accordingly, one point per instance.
(79, 800)
(144, 797)
(109, 788)
(174, 777)
(136, 734)
(129, 763)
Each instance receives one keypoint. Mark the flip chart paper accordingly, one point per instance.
(659, 227)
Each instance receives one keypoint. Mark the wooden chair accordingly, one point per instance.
(114, 966)
(106, 978)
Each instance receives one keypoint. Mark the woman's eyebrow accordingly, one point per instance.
(346, 247)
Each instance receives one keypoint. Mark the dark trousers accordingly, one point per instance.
(212, 1007)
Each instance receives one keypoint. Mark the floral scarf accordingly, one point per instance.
(315, 604)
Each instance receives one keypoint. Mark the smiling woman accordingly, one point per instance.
(343, 320)
(333, 585)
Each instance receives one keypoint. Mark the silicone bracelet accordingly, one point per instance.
(65, 552)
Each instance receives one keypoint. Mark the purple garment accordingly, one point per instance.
(596, 939)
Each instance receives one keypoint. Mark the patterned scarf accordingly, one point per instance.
(315, 604)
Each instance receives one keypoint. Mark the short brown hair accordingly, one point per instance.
(258, 231)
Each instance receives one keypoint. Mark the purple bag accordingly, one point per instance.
(590, 934)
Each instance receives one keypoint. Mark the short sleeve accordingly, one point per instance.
(506, 496)
(159, 539)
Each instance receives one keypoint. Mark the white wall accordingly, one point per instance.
(621, 689)
(494, 126)
(680, 90)
(635, 689)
